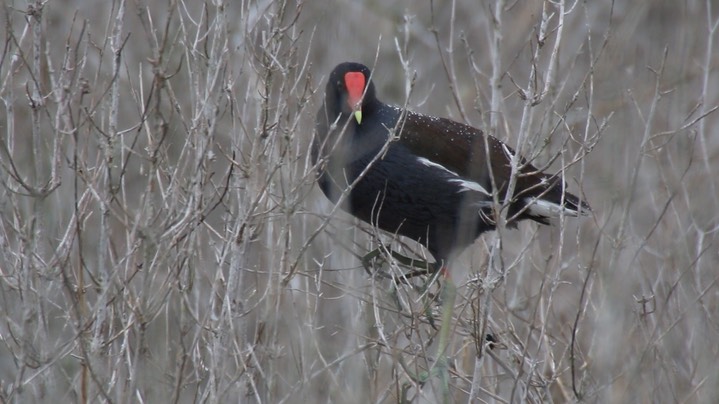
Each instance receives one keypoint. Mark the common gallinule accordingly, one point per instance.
(430, 179)
(423, 177)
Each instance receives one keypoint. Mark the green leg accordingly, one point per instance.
(419, 267)
(449, 293)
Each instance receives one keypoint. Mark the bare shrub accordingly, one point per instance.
(163, 241)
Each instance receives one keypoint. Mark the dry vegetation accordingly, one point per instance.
(162, 239)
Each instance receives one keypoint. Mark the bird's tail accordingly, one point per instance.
(553, 204)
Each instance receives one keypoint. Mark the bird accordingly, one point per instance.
(430, 179)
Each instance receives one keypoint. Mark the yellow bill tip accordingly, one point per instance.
(358, 116)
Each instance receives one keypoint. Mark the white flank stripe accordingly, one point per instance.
(540, 207)
(465, 184)
(430, 163)
(470, 186)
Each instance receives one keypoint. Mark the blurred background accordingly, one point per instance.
(163, 239)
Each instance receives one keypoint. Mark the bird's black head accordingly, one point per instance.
(350, 90)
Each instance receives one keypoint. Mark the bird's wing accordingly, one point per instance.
(461, 148)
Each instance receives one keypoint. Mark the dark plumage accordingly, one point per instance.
(432, 184)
